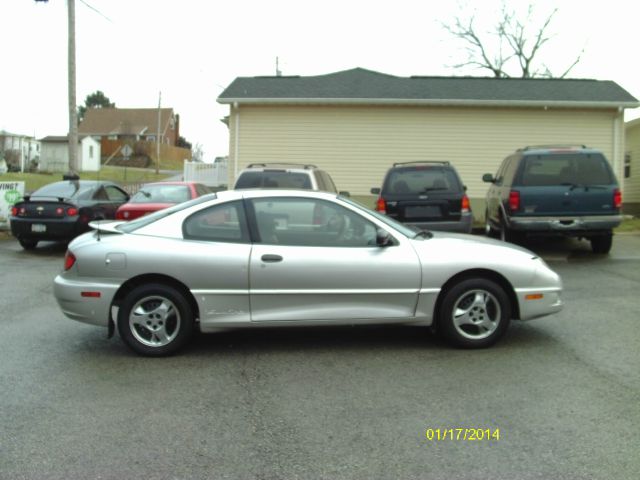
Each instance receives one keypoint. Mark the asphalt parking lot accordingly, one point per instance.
(334, 403)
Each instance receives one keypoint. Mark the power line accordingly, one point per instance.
(97, 11)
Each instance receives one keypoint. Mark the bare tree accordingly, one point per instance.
(512, 41)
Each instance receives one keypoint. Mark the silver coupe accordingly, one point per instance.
(257, 258)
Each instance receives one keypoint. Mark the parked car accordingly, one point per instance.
(286, 175)
(235, 259)
(156, 196)
(554, 190)
(425, 195)
(63, 210)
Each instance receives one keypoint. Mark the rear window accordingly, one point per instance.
(70, 189)
(416, 180)
(273, 179)
(161, 194)
(564, 169)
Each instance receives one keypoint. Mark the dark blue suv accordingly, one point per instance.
(552, 190)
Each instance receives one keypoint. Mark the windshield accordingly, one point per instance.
(403, 229)
(566, 169)
(161, 194)
(69, 189)
(133, 225)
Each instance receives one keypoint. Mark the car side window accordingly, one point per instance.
(508, 175)
(115, 194)
(310, 222)
(219, 223)
(328, 181)
(100, 194)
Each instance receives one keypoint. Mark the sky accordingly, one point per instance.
(191, 50)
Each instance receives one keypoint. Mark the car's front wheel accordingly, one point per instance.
(474, 313)
(155, 320)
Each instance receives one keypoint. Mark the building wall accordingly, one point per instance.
(631, 196)
(89, 155)
(357, 145)
(54, 157)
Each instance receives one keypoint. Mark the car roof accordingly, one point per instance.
(557, 149)
(272, 192)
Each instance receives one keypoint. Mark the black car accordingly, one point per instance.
(425, 195)
(63, 210)
(554, 190)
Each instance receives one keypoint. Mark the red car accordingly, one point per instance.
(156, 196)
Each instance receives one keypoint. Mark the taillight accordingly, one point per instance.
(59, 211)
(514, 200)
(14, 211)
(465, 207)
(72, 211)
(69, 260)
(381, 205)
(617, 198)
(120, 215)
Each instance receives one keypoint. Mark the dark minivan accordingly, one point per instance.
(425, 195)
(554, 190)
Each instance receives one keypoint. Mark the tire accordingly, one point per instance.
(474, 313)
(601, 243)
(155, 320)
(27, 243)
(508, 235)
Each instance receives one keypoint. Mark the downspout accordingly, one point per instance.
(236, 141)
(616, 148)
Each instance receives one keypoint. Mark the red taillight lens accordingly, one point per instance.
(69, 260)
(465, 207)
(617, 198)
(14, 211)
(119, 215)
(381, 205)
(514, 200)
(72, 211)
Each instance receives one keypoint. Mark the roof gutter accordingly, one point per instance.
(428, 102)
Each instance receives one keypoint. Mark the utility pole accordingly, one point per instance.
(158, 137)
(73, 114)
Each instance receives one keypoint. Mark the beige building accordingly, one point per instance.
(631, 195)
(356, 123)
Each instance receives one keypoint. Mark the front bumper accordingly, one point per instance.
(572, 225)
(91, 310)
(537, 302)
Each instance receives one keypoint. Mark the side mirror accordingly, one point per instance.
(375, 191)
(488, 178)
(383, 239)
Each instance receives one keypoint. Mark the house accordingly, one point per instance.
(356, 123)
(19, 151)
(131, 124)
(631, 175)
(55, 154)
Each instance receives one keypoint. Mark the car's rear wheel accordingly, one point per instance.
(508, 235)
(474, 313)
(601, 243)
(27, 243)
(155, 320)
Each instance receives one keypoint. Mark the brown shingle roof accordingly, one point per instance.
(113, 121)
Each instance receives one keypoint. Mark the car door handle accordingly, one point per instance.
(271, 258)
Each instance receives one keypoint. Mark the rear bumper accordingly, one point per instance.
(569, 225)
(91, 310)
(55, 229)
(463, 225)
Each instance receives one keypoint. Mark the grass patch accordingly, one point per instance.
(630, 225)
(121, 175)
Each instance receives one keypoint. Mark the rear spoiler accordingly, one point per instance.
(106, 226)
(26, 198)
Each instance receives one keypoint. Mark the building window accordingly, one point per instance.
(627, 165)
